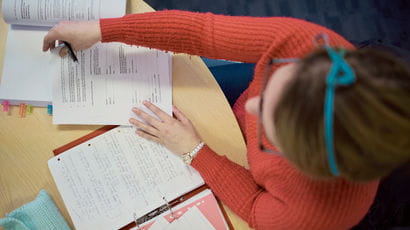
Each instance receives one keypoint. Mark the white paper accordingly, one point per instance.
(26, 71)
(49, 13)
(26, 76)
(160, 224)
(108, 179)
(108, 80)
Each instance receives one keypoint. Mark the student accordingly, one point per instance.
(320, 131)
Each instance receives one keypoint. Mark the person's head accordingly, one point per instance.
(371, 116)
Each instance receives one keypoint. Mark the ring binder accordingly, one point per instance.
(136, 221)
(163, 208)
(139, 222)
(169, 207)
(176, 211)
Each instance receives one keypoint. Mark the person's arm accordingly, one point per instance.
(235, 187)
(236, 38)
(232, 183)
(240, 111)
(288, 199)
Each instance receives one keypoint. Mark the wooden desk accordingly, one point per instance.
(26, 144)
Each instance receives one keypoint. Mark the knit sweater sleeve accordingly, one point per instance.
(230, 182)
(290, 201)
(240, 111)
(236, 38)
(236, 187)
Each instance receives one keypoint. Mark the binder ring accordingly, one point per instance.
(153, 214)
(169, 207)
(136, 221)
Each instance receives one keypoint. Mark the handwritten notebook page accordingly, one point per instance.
(108, 179)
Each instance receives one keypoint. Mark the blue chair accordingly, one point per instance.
(232, 77)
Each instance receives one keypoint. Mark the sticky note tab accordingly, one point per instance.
(23, 108)
(29, 109)
(50, 109)
(5, 106)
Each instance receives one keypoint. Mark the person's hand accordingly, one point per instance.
(176, 134)
(80, 34)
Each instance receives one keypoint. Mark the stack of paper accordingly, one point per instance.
(101, 88)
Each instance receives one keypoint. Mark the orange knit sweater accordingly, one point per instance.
(272, 194)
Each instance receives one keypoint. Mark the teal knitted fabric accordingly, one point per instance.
(40, 213)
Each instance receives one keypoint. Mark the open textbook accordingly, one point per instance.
(26, 73)
(107, 81)
(112, 177)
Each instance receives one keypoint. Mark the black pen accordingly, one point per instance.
(71, 51)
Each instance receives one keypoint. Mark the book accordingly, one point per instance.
(26, 76)
(112, 179)
(108, 80)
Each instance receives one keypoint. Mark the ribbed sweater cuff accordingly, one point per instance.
(111, 29)
(206, 161)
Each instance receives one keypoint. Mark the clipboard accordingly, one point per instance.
(167, 206)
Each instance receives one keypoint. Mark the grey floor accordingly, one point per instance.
(360, 21)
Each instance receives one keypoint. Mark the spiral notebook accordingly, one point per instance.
(112, 179)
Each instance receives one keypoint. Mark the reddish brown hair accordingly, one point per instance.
(371, 116)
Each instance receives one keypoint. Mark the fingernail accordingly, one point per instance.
(63, 52)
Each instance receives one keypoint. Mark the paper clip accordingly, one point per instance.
(50, 109)
(5, 106)
(23, 108)
(29, 109)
